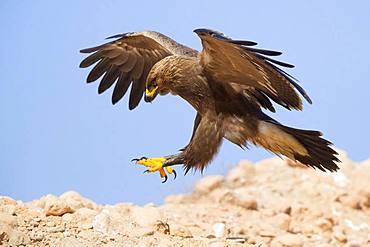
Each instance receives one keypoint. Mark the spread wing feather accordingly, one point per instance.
(126, 60)
(248, 70)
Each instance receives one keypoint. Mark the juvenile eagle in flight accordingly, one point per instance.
(227, 83)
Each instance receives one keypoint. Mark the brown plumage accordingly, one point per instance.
(227, 84)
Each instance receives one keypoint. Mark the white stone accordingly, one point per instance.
(101, 222)
(219, 230)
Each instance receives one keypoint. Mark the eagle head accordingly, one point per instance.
(161, 77)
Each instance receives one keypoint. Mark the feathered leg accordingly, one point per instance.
(197, 154)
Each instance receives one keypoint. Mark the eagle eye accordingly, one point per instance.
(152, 84)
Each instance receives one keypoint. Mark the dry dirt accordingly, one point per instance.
(271, 203)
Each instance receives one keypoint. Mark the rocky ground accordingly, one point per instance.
(271, 203)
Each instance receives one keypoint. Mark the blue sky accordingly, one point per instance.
(57, 134)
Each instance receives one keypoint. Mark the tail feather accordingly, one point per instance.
(319, 153)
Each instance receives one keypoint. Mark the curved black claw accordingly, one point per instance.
(165, 179)
(136, 159)
(146, 171)
(175, 174)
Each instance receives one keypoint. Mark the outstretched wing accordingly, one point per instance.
(125, 60)
(248, 71)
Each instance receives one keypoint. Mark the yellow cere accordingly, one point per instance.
(151, 93)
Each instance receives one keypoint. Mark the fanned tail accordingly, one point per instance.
(305, 146)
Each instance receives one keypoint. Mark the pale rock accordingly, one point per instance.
(244, 200)
(56, 229)
(324, 224)
(42, 201)
(50, 223)
(5, 200)
(335, 212)
(76, 201)
(298, 209)
(219, 230)
(236, 240)
(267, 233)
(268, 212)
(17, 238)
(109, 222)
(196, 231)
(177, 199)
(281, 220)
(217, 244)
(209, 183)
(8, 219)
(352, 201)
(365, 194)
(142, 244)
(274, 243)
(71, 242)
(364, 165)
(258, 241)
(235, 198)
(266, 164)
(283, 206)
(165, 242)
(301, 228)
(86, 225)
(291, 240)
(247, 202)
(356, 227)
(346, 164)
(36, 236)
(56, 207)
(102, 221)
(35, 222)
(8, 209)
(354, 243)
(308, 189)
(68, 217)
(243, 173)
(85, 217)
(339, 234)
(180, 231)
(223, 196)
(340, 179)
(143, 232)
(146, 216)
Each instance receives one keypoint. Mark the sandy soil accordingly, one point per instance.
(271, 203)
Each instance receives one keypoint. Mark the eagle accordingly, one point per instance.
(230, 84)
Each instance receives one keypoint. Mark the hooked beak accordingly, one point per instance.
(150, 94)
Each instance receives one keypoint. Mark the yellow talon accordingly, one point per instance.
(156, 164)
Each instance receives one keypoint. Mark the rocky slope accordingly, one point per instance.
(271, 203)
